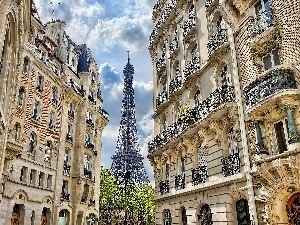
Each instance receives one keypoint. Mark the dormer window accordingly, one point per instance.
(40, 83)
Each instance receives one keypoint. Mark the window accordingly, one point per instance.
(242, 210)
(271, 59)
(281, 136)
(205, 216)
(32, 142)
(232, 142)
(85, 193)
(26, 65)
(43, 56)
(36, 110)
(90, 118)
(21, 97)
(41, 179)
(54, 95)
(197, 98)
(16, 132)
(167, 217)
(23, 176)
(48, 150)
(73, 62)
(91, 96)
(49, 181)
(71, 110)
(69, 136)
(263, 15)
(183, 216)
(65, 187)
(182, 164)
(92, 77)
(87, 166)
(51, 120)
(167, 172)
(32, 176)
(87, 138)
(40, 83)
(67, 158)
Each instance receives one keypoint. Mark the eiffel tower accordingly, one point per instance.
(127, 156)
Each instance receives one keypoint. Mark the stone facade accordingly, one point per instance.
(226, 111)
(52, 122)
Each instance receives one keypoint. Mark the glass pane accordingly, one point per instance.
(276, 59)
(267, 62)
(281, 142)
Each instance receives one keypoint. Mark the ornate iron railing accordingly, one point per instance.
(66, 168)
(191, 66)
(164, 17)
(218, 39)
(71, 114)
(65, 196)
(91, 202)
(161, 63)
(231, 165)
(173, 46)
(90, 122)
(260, 23)
(180, 181)
(69, 138)
(76, 88)
(89, 145)
(199, 175)
(161, 98)
(189, 25)
(175, 84)
(217, 98)
(103, 112)
(164, 187)
(87, 173)
(274, 81)
(208, 3)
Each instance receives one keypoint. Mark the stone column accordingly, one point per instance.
(260, 147)
(293, 133)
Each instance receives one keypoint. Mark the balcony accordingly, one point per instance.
(175, 84)
(164, 17)
(231, 165)
(87, 173)
(66, 169)
(260, 24)
(103, 112)
(91, 99)
(89, 145)
(180, 181)
(164, 187)
(189, 25)
(191, 66)
(71, 114)
(65, 197)
(199, 175)
(218, 39)
(161, 98)
(161, 63)
(91, 202)
(271, 83)
(216, 99)
(90, 122)
(173, 46)
(208, 3)
(76, 88)
(69, 138)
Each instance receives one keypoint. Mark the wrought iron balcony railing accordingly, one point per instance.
(189, 25)
(90, 122)
(87, 173)
(173, 46)
(260, 23)
(103, 112)
(91, 202)
(199, 175)
(91, 98)
(66, 169)
(164, 17)
(217, 98)
(231, 165)
(164, 187)
(69, 138)
(218, 39)
(161, 63)
(175, 84)
(180, 181)
(161, 98)
(272, 82)
(65, 197)
(89, 145)
(208, 3)
(71, 114)
(191, 66)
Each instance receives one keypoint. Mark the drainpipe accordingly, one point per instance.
(238, 93)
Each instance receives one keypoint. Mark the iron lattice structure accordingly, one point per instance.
(127, 156)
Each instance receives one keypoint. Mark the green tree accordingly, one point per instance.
(114, 198)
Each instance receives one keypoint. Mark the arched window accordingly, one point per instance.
(242, 210)
(32, 142)
(167, 217)
(293, 209)
(205, 216)
(21, 96)
(183, 216)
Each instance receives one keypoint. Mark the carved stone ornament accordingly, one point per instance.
(234, 192)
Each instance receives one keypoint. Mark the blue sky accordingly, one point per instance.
(110, 28)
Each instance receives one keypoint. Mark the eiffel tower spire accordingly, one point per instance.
(127, 156)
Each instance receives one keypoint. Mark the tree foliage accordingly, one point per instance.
(114, 199)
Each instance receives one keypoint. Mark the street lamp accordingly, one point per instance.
(127, 177)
